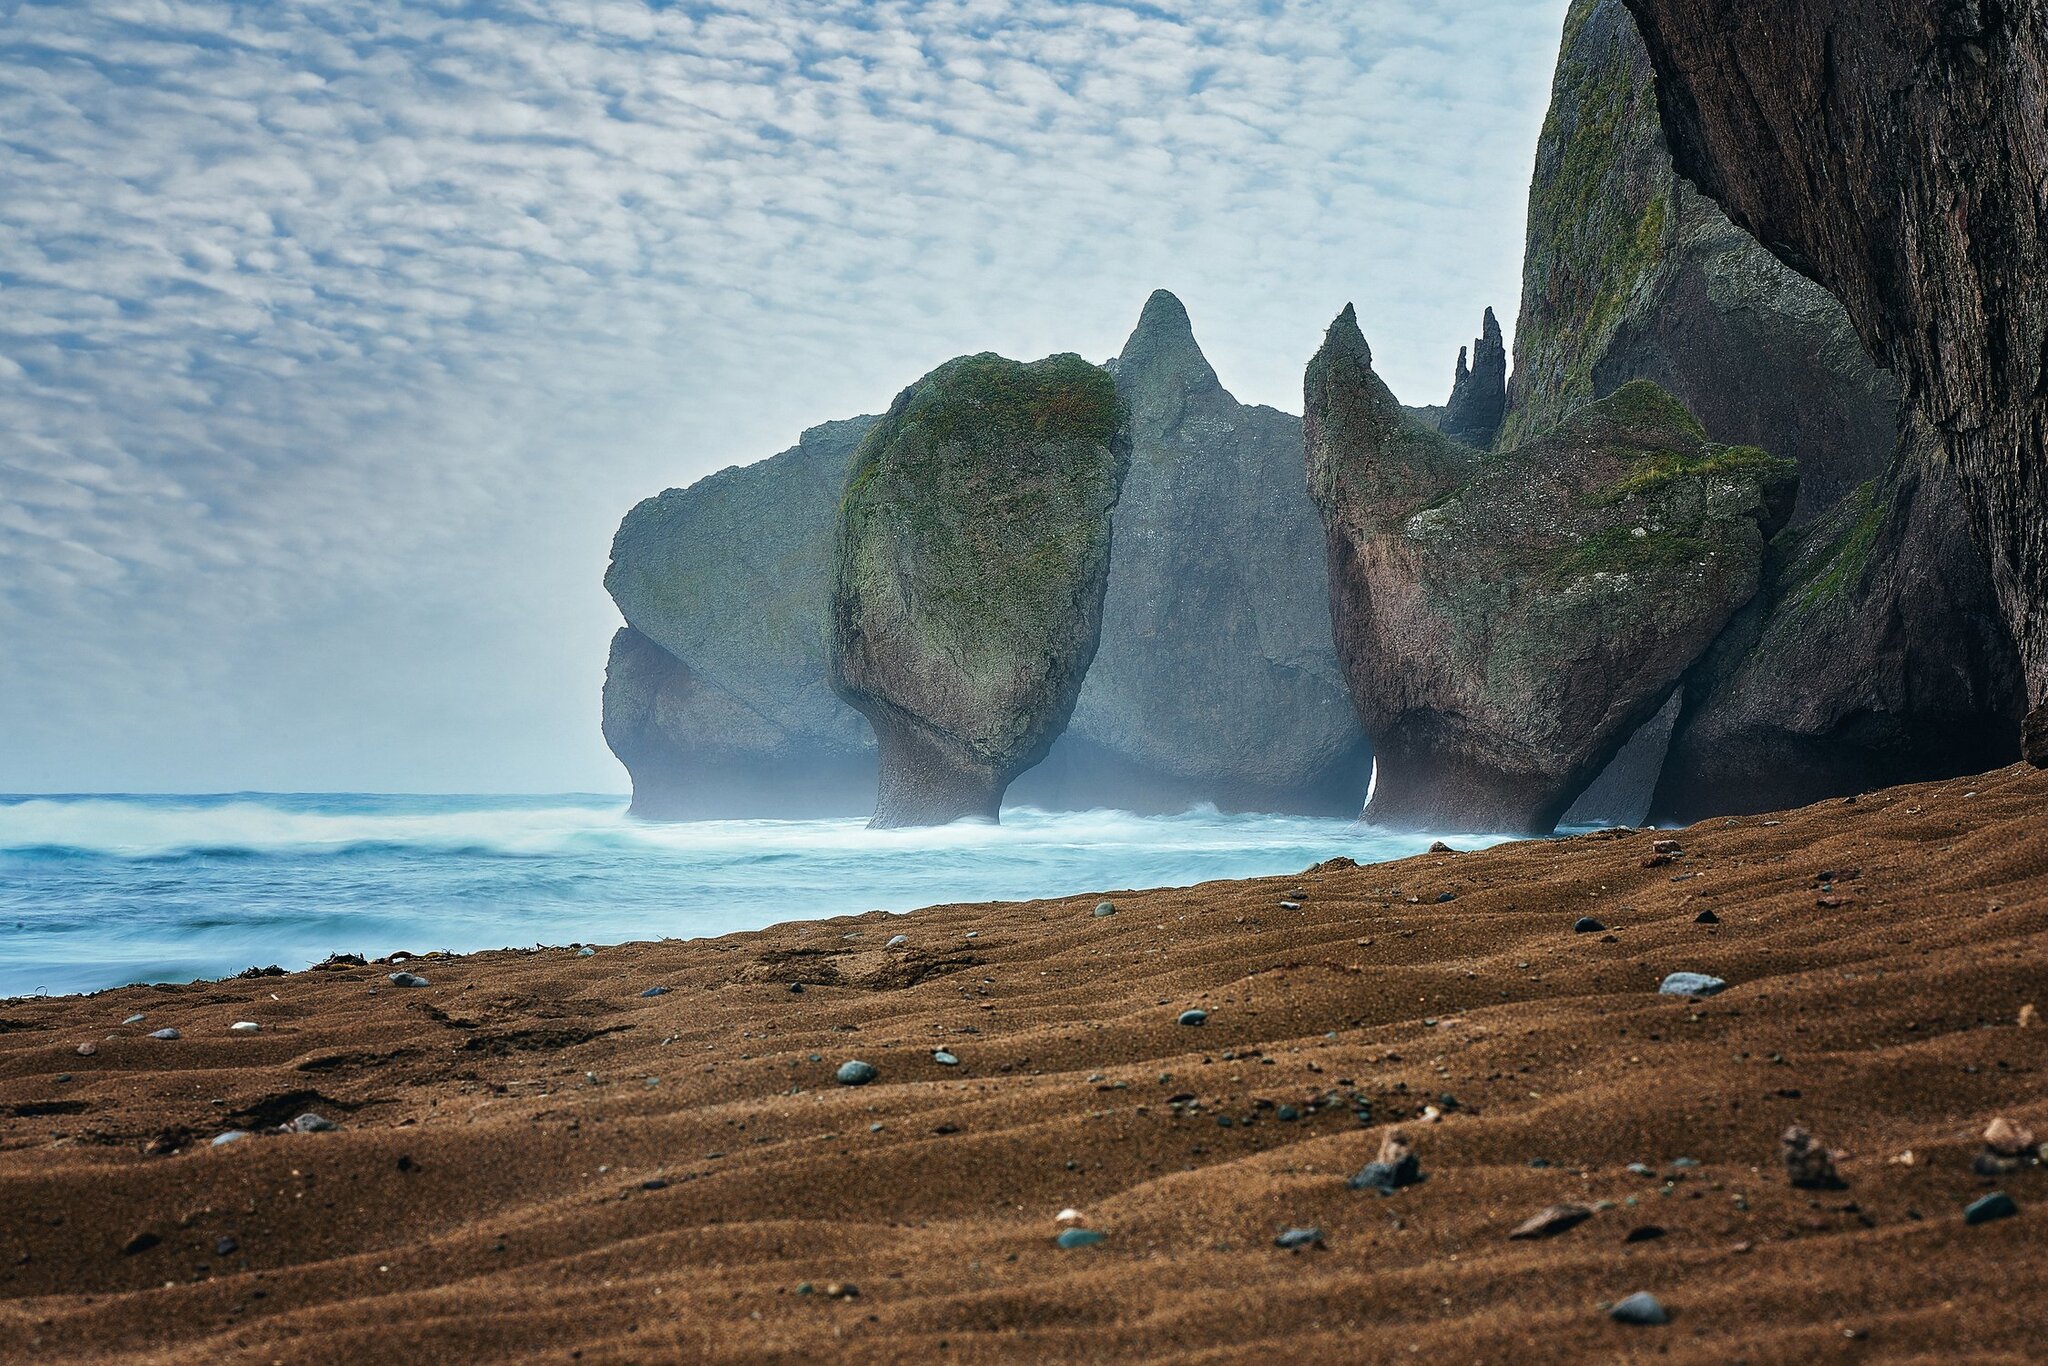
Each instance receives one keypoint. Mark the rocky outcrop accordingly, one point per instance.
(1479, 392)
(1870, 660)
(969, 568)
(1217, 678)
(1895, 152)
(1506, 623)
(716, 698)
(1632, 274)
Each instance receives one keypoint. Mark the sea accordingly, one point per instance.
(104, 890)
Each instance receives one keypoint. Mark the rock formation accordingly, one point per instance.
(1632, 274)
(1479, 393)
(969, 568)
(1506, 623)
(716, 699)
(1217, 678)
(1895, 152)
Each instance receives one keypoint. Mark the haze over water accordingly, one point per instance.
(99, 891)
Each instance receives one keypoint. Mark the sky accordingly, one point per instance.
(337, 335)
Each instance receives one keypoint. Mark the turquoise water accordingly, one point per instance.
(98, 891)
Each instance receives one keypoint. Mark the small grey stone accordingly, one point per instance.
(1586, 924)
(1997, 1205)
(86, 1050)
(1691, 984)
(311, 1123)
(1105, 908)
(134, 1019)
(407, 979)
(655, 991)
(945, 1059)
(1641, 1169)
(586, 952)
(1078, 1237)
(1548, 1223)
(1388, 1177)
(1641, 1308)
(1439, 847)
(166, 1034)
(1194, 1017)
(897, 941)
(225, 1246)
(1295, 1239)
(245, 1027)
(856, 1073)
(231, 1136)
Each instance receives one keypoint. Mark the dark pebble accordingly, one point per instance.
(407, 979)
(311, 1123)
(1078, 1237)
(141, 1242)
(1442, 897)
(1648, 1233)
(655, 991)
(1586, 924)
(856, 1073)
(1388, 1177)
(1194, 1017)
(1691, 984)
(1105, 909)
(225, 1246)
(1641, 1308)
(1706, 918)
(1997, 1205)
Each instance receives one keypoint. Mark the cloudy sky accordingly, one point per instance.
(336, 335)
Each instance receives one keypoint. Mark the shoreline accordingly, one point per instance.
(504, 1181)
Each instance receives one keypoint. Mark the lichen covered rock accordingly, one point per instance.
(716, 699)
(970, 562)
(1508, 622)
(1217, 677)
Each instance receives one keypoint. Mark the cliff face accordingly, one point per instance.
(969, 568)
(1895, 152)
(1871, 659)
(1508, 622)
(716, 699)
(1217, 676)
(1632, 274)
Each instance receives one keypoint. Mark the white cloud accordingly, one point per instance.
(342, 331)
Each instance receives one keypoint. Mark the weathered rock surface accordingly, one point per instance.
(1837, 677)
(1896, 152)
(1479, 391)
(1507, 623)
(1873, 657)
(1217, 676)
(970, 564)
(716, 698)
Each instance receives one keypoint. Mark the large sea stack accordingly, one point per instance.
(716, 699)
(969, 568)
(1506, 623)
(1873, 654)
(1217, 678)
(1895, 151)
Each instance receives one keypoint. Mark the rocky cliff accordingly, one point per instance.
(1507, 623)
(1479, 391)
(716, 699)
(1632, 274)
(1217, 678)
(1896, 152)
(969, 568)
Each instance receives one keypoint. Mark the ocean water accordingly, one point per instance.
(99, 891)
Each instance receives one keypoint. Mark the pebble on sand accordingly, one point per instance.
(311, 1123)
(856, 1073)
(245, 1027)
(1640, 1308)
(1104, 909)
(1997, 1205)
(1078, 1237)
(1691, 984)
(944, 1058)
(1810, 1164)
(1395, 1167)
(1548, 1223)
(134, 1019)
(1586, 924)
(655, 991)
(897, 941)
(1295, 1239)
(165, 1034)
(86, 1050)
(1706, 918)
(2029, 1017)
(231, 1136)
(406, 979)
(1194, 1017)
(1439, 847)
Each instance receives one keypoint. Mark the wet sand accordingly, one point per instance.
(536, 1161)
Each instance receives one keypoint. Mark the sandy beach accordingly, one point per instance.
(536, 1156)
